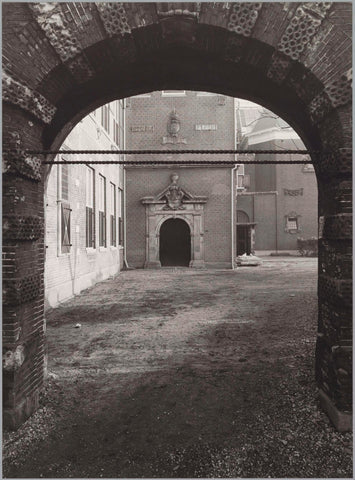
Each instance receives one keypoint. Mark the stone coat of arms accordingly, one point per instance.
(174, 195)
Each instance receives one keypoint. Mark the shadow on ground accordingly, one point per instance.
(214, 379)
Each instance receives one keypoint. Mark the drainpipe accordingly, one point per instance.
(233, 207)
(125, 262)
(233, 189)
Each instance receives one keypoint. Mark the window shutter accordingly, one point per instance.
(92, 230)
(104, 228)
(66, 214)
(120, 231)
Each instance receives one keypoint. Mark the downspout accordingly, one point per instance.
(233, 207)
(125, 262)
(233, 189)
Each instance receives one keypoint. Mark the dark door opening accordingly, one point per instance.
(243, 240)
(175, 243)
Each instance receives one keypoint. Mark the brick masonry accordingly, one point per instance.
(206, 122)
(192, 50)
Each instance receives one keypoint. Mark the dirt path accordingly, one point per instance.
(184, 373)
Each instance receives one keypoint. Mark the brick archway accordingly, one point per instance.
(58, 66)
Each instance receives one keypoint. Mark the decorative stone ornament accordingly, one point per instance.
(26, 98)
(302, 28)
(114, 18)
(174, 195)
(173, 128)
(243, 17)
(173, 124)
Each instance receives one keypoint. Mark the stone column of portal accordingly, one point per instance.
(152, 261)
(334, 341)
(23, 289)
(197, 243)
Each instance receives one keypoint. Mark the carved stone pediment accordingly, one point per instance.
(174, 197)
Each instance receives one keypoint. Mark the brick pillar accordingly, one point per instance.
(334, 341)
(23, 290)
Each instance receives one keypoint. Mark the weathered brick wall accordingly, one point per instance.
(147, 119)
(300, 70)
(294, 177)
(152, 113)
(23, 260)
(277, 178)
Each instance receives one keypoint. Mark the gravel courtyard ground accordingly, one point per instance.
(184, 373)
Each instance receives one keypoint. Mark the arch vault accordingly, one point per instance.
(293, 58)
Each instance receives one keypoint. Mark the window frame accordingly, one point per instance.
(295, 218)
(102, 209)
(120, 218)
(90, 230)
(116, 131)
(240, 177)
(113, 215)
(105, 117)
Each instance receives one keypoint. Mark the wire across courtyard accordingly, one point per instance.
(176, 152)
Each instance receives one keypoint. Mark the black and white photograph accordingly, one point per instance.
(177, 240)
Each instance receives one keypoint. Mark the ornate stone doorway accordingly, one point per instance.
(174, 203)
(175, 243)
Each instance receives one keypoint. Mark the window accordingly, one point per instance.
(240, 177)
(173, 93)
(64, 180)
(90, 207)
(292, 223)
(105, 117)
(120, 220)
(113, 214)
(116, 132)
(102, 211)
(65, 210)
(246, 180)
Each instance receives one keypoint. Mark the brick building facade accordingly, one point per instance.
(175, 120)
(276, 204)
(84, 208)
